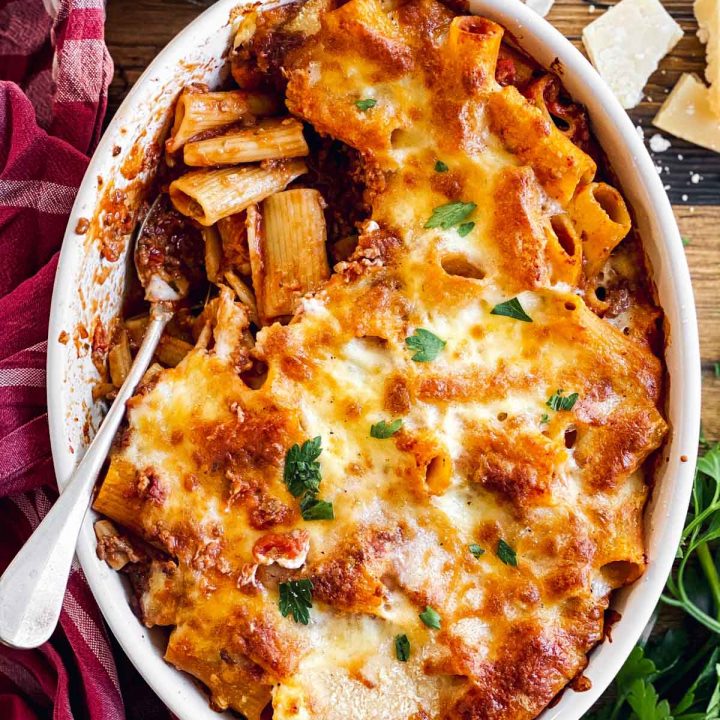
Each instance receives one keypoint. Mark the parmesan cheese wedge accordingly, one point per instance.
(707, 13)
(686, 113)
(541, 7)
(627, 43)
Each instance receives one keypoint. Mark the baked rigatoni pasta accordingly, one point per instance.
(211, 195)
(198, 111)
(270, 139)
(404, 487)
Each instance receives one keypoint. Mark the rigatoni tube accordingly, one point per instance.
(268, 140)
(209, 195)
(197, 112)
(293, 249)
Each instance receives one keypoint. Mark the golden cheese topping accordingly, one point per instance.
(484, 407)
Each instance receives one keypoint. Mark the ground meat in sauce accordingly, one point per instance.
(172, 246)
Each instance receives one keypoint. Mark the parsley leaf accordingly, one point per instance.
(383, 430)
(505, 553)
(465, 228)
(314, 509)
(512, 309)
(302, 470)
(365, 104)
(449, 215)
(430, 617)
(685, 240)
(296, 598)
(545, 418)
(716, 369)
(476, 550)
(440, 166)
(426, 345)
(402, 648)
(558, 402)
(644, 700)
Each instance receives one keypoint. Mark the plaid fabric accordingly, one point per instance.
(54, 75)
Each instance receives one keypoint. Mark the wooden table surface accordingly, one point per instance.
(138, 29)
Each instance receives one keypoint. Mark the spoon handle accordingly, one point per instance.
(32, 587)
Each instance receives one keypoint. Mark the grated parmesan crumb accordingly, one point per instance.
(658, 143)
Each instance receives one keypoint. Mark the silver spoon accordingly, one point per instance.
(33, 585)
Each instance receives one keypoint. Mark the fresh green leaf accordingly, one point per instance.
(665, 652)
(644, 700)
(449, 215)
(441, 167)
(314, 509)
(716, 369)
(302, 470)
(296, 598)
(703, 685)
(365, 104)
(383, 430)
(465, 228)
(402, 648)
(506, 553)
(558, 402)
(426, 345)
(685, 240)
(545, 418)
(476, 550)
(430, 617)
(636, 667)
(512, 309)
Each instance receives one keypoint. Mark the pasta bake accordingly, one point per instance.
(393, 457)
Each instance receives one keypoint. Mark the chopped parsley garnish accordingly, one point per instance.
(558, 402)
(476, 550)
(365, 104)
(302, 470)
(685, 240)
(506, 553)
(545, 418)
(512, 309)
(402, 648)
(296, 598)
(465, 228)
(430, 617)
(383, 430)
(302, 477)
(440, 166)
(450, 215)
(426, 345)
(314, 509)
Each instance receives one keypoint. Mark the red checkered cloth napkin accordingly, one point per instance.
(54, 75)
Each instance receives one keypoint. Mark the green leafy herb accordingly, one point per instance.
(430, 617)
(512, 309)
(426, 345)
(506, 553)
(296, 598)
(402, 648)
(559, 402)
(716, 369)
(544, 418)
(685, 240)
(449, 215)
(366, 104)
(302, 470)
(314, 509)
(383, 430)
(440, 166)
(465, 228)
(476, 550)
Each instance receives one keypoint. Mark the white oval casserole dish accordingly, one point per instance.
(88, 286)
